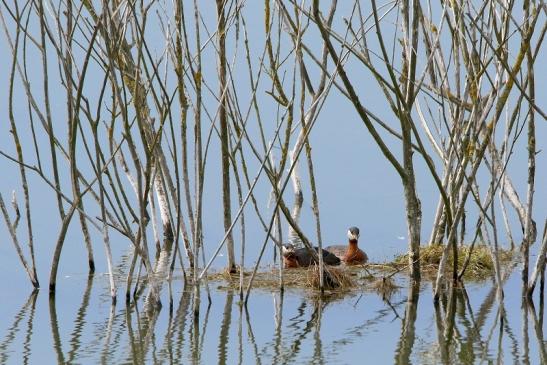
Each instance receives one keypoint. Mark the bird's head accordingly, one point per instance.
(353, 233)
(287, 249)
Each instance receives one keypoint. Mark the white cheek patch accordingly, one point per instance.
(351, 236)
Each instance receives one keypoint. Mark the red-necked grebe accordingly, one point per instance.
(350, 254)
(301, 257)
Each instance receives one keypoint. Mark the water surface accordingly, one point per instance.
(79, 325)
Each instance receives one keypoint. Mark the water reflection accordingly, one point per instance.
(79, 321)
(408, 330)
(28, 308)
(538, 329)
(525, 338)
(54, 323)
(466, 326)
(224, 333)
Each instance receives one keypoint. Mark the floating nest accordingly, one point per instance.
(334, 278)
(339, 281)
(380, 278)
(481, 264)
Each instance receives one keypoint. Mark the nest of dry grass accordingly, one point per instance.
(334, 278)
(481, 265)
(339, 281)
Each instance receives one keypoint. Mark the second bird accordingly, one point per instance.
(350, 254)
(301, 257)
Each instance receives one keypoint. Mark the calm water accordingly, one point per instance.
(80, 326)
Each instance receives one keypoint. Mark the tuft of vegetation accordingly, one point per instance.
(334, 278)
(481, 265)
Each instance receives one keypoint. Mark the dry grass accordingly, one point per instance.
(263, 279)
(334, 278)
(342, 281)
(378, 278)
(481, 265)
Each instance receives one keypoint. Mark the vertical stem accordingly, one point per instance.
(183, 101)
(106, 238)
(527, 241)
(198, 148)
(505, 218)
(223, 118)
(48, 109)
(30, 270)
(73, 121)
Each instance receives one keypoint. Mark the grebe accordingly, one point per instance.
(301, 257)
(350, 254)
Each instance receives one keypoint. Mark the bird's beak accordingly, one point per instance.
(353, 237)
(287, 250)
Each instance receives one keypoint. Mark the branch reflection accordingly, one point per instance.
(11, 334)
(408, 327)
(455, 330)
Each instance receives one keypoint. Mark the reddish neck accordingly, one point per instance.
(352, 247)
(290, 261)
